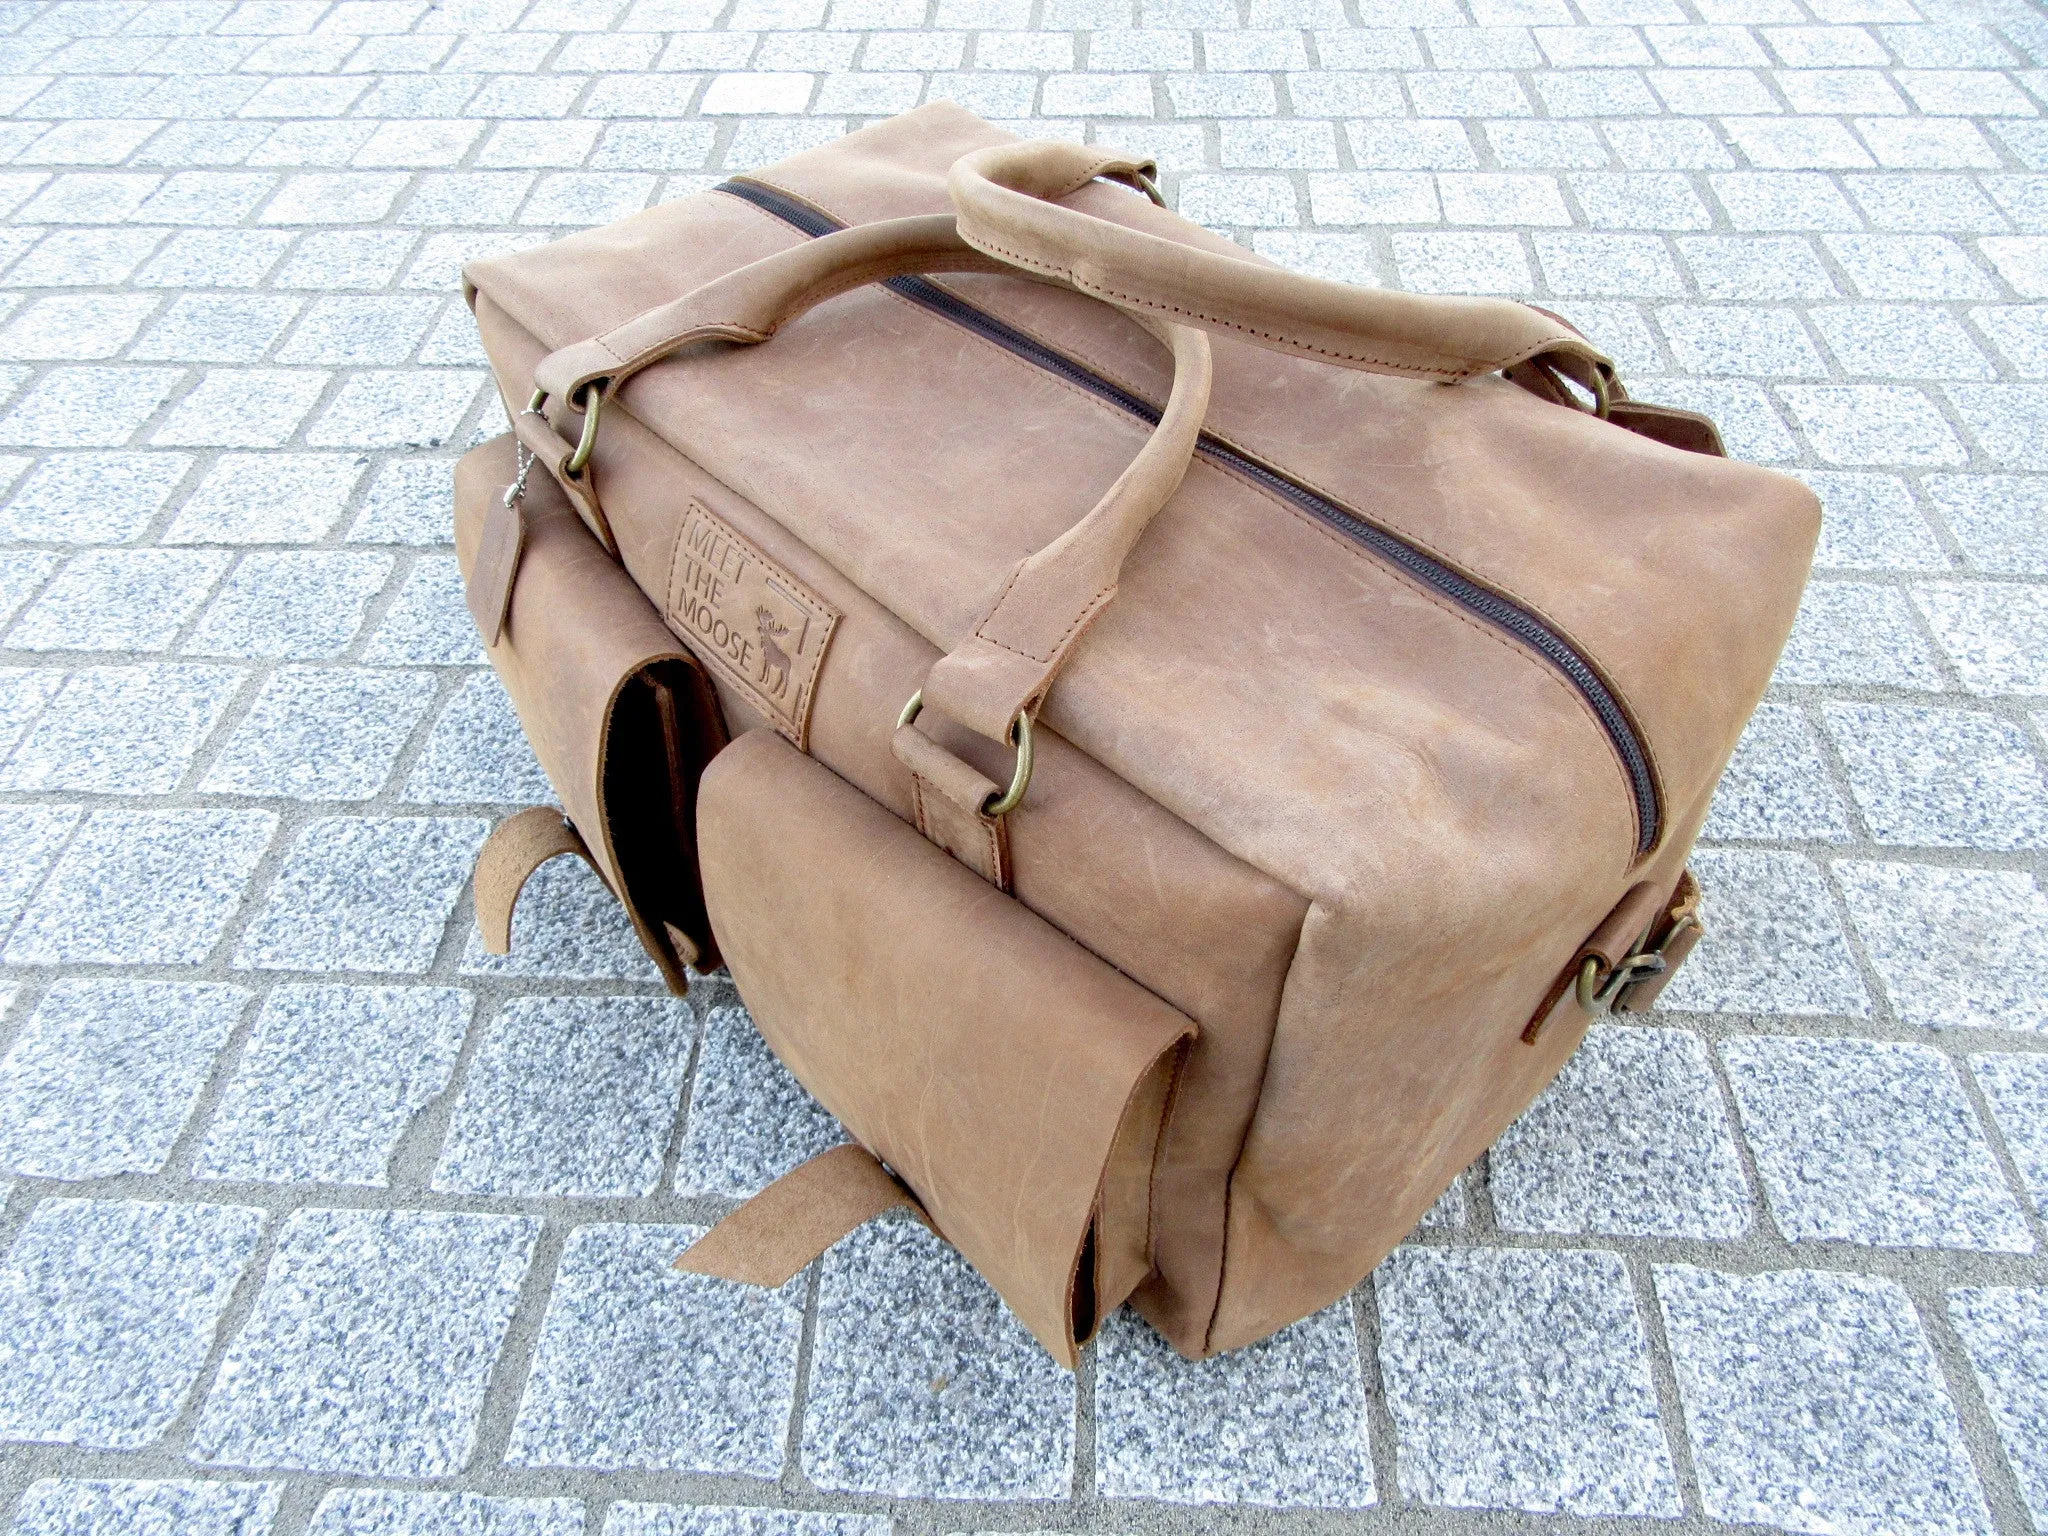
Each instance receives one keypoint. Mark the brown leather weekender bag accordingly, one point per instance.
(1173, 753)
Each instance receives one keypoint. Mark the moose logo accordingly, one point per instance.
(748, 619)
(774, 660)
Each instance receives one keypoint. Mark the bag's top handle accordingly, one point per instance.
(1006, 201)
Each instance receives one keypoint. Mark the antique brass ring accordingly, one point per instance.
(1020, 738)
(592, 407)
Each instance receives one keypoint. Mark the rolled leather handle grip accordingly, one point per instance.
(752, 302)
(1006, 199)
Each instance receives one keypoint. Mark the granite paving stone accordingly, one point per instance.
(305, 605)
(1197, 1432)
(640, 1366)
(628, 1519)
(1869, 1141)
(363, 893)
(104, 1074)
(121, 730)
(330, 1079)
(1776, 785)
(428, 624)
(267, 498)
(118, 600)
(923, 1384)
(2001, 521)
(1857, 634)
(321, 733)
(1630, 1140)
(54, 1506)
(750, 1119)
(92, 498)
(142, 888)
(2016, 1088)
(241, 408)
(1942, 778)
(1871, 522)
(1777, 945)
(1521, 1380)
(371, 1344)
(2005, 1331)
(570, 1096)
(404, 1512)
(1812, 1399)
(1956, 948)
(1995, 633)
(410, 501)
(107, 1311)
(476, 753)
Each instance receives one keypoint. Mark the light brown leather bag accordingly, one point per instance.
(1174, 753)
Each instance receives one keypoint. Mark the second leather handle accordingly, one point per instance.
(1006, 198)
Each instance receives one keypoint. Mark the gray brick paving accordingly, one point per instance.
(1630, 1140)
(329, 1080)
(370, 1345)
(570, 1096)
(1521, 1381)
(1200, 1436)
(1870, 1141)
(1813, 1399)
(107, 1311)
(71, 1507)
(246, 750)
(639, 1366)
(2006, 1333)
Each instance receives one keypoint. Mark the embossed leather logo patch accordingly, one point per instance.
(748, 619)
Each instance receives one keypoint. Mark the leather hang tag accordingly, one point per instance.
(497, 565)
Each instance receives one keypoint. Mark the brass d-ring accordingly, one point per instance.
(1020, 777)
(593, 397)
(1020, 738)
(593, 405)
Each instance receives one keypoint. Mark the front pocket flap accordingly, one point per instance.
(982, 1054)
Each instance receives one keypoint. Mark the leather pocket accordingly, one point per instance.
(1015, 1082)
(621, 717)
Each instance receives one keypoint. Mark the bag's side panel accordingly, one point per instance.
(1102, 863)
(618, 714)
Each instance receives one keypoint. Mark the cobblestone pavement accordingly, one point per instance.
(322, 1220)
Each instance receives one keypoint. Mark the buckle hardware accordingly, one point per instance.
(1602, 991)
(1020, 738)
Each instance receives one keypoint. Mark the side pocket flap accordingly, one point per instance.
(619, 714)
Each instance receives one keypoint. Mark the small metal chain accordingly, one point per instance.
(526, 460)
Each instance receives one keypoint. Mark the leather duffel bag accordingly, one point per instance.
(1173, 753)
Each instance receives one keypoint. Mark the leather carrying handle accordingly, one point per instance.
(751, 303)
(1006, 200)
(1005, 666)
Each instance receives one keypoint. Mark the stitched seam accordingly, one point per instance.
(1065, 635)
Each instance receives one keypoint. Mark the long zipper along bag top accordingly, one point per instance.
(1174, 753)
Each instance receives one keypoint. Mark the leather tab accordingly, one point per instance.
(554, 453)
(519, 845)
(1667, 424)
(947, 796)
(773, 1236)
(489, 590)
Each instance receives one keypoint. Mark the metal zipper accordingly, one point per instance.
(1483, 602)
